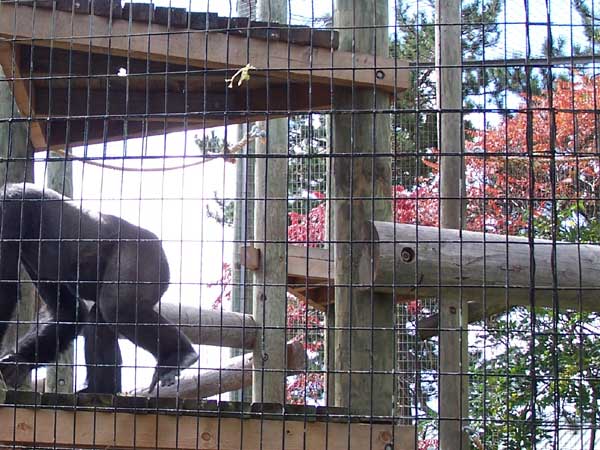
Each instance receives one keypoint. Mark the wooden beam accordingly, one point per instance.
(302, 262)
(271, 225)
(309, 270)
(202, 49)
(210, 327)
(487, 268)
(148, 115)
(310, 262)
(76, 103)
(24, 98)
(120, 430)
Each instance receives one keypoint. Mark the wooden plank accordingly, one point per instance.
(203, 49)
(203, 21)
(316, 296)
(174, 17)
(250, 257)
(138, 12)
(97, 429)
(108, 8)
(147, 115)
(309, 262)
(24, 98)
(76, 6)
(69, 103)
(67, 62)
(97, 131)
(309, 272)
(78, 102)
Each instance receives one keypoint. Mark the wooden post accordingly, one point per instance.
(16, 166)
(454, 362)
(243, 222)
(59, 177)
(367, 177)
(270, 292)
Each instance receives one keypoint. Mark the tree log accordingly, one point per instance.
(490, 269)
(210, 327)
(234, 375)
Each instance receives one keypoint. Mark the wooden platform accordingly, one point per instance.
(88, 78)
(208, 426)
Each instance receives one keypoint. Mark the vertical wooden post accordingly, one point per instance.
(269, 306)
(366, 177)
(243, 220)
(453, 381)
(16, 166)
(59, 177)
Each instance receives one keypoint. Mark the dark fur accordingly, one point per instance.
(72, 254)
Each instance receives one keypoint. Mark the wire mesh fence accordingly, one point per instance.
(298, 224)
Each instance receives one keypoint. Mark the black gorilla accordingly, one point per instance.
(72, 254)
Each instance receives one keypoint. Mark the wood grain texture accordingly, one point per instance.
(95, 429)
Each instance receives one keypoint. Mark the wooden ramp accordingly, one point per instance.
(194, 425)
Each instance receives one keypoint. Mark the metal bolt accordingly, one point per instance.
(407, 255)
(265, 357)
(380, 74)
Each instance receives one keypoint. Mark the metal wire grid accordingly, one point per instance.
(532, 380)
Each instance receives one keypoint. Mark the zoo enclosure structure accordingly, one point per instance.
(97, 71)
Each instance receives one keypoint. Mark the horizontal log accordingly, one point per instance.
(234, 375)
(213, 327)
(210, 327)
(491, 269)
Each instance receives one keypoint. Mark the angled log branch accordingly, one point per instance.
(234, 375)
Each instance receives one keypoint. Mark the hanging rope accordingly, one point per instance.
(257, 133)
